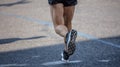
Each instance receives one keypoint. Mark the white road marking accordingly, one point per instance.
(7, 65)
(60, 62)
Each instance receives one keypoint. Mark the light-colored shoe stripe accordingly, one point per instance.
(69, 38)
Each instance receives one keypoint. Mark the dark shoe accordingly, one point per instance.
(70, 41)
(65, 56)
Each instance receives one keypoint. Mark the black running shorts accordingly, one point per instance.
(64, 2)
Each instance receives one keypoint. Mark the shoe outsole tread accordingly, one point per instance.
(72, 46)
(70, 41)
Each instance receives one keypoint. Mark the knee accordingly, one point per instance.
(60, 28)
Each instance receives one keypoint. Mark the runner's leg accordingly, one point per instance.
(68, 16)
(57, 12)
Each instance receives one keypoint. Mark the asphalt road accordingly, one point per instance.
(27, 37)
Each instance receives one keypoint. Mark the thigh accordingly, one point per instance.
(68, 16)
(69, 13)
(57, 12)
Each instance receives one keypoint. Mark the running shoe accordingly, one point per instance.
(70, 41)
(65, 56)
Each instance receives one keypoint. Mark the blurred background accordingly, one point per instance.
(27, 37)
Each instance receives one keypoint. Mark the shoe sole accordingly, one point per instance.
(72, 46)
(65, 56)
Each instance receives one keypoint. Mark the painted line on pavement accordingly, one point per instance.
(11, 65)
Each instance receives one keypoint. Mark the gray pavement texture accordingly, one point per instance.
(27, 37)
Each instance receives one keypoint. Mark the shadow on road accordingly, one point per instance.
(10, 40)
(90, 52)
(15, 3)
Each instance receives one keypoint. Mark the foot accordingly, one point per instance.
(70, 41)
(65, 56)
